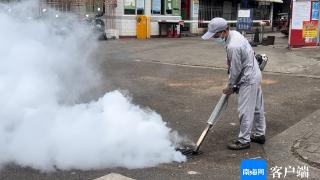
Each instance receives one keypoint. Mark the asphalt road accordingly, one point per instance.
(185, 97)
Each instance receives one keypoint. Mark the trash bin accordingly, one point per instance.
(143, 27)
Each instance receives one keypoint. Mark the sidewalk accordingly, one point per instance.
(307, 148)
(297, 146)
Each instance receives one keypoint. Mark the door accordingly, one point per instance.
(185, 14)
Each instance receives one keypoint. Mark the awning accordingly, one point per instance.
(273, 1)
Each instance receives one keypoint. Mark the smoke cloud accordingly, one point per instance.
(44, 69)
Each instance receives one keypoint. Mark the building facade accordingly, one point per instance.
(192, 12)
(121, 15)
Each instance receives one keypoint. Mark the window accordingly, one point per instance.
(165, 7)
(134, 7)
(140, 7)
(169, 7)
(156, 7)
(175, 7)
(94, 6)
(129, 6)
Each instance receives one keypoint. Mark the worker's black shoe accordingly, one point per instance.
(258, 139)
(237, 145)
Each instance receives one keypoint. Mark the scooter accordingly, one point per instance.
(97, 24)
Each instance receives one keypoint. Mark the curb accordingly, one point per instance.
(279, 149)
(302, 157)
(307, 148)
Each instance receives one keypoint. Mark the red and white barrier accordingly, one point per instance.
(261, 22)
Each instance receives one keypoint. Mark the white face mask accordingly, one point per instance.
(219, 41)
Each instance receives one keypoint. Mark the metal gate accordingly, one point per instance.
(209, 9)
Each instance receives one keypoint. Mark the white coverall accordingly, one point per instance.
(245, 73)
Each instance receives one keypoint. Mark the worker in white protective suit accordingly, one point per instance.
(245, 79)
